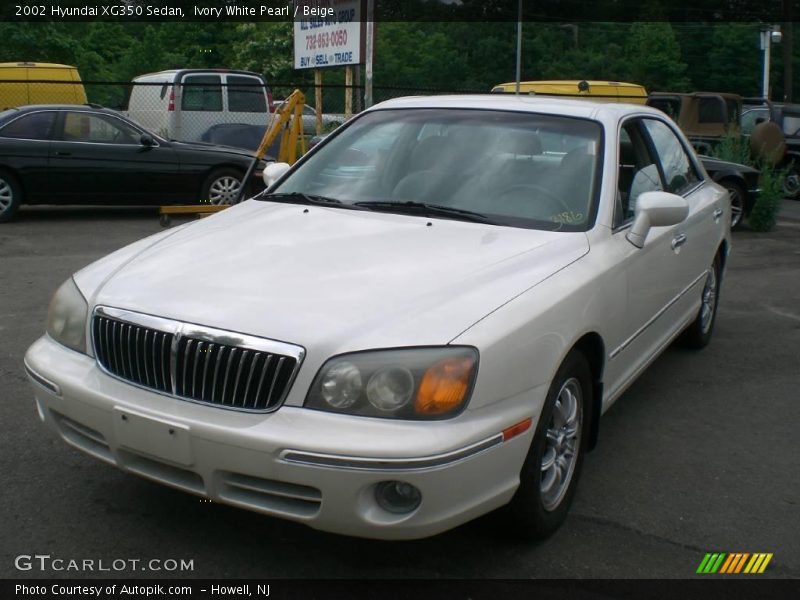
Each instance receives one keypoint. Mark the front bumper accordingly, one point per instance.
(309, 466)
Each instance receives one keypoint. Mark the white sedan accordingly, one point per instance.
(420, 322)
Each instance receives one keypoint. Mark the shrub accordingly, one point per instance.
(768, 204)
(733, 148)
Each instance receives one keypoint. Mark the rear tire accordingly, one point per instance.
(698, 334)
(221, 187)
(550, 473)
(10, 196)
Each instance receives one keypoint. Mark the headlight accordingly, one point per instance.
(414, 383)
(66, 317)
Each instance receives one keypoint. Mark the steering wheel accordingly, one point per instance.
(517, 191)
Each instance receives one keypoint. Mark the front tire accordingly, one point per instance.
(10, 196)
(221, 187)
(550, 473)
(791, 182)
(698, 334)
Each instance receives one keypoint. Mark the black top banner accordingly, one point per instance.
(767, 11)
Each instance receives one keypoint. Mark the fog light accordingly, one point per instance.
(397, 497)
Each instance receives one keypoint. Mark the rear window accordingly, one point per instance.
(711, 110)
(202, 92)
(246, 94)
(35, 126)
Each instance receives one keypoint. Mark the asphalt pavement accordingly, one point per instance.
(701, 455)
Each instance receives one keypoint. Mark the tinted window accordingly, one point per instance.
(202, 92)
(679, 172)
(85, 127)
(246, 94)
(36, 126)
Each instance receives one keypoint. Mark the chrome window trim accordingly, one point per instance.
(204, 333)
(360, 463)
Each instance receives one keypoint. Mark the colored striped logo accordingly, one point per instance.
(735, 562)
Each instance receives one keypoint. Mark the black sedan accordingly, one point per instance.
(741, 182)
(77, 154)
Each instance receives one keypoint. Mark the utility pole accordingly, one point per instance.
(369, 49)
(519, 47)
(788, 51)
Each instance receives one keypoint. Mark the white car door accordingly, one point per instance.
(655, 274)
(697, 237)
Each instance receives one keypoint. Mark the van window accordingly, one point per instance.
(202, 92)
(36, 126)
(246, 94)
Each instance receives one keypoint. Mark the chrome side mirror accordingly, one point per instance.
(274, 171)
(656, 209)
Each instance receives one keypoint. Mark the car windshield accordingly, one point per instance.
(512, 168)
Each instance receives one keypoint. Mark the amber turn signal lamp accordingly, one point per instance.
(444, 386)
(517, 429)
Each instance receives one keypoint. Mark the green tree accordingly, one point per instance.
(654, 57)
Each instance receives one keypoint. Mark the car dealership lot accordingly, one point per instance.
(699, 455)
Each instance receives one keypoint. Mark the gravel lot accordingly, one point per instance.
(701, 454)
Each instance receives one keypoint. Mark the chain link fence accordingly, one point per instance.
(204, 108)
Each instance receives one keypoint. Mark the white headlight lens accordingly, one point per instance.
(66, 317)
(390, 389)
(342, 386)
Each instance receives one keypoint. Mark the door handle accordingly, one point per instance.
(718, 213)
(678, 241)
(58, 153)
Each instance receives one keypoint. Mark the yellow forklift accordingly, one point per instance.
(287, 122)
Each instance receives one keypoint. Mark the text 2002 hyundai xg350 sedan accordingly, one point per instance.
(420, 322)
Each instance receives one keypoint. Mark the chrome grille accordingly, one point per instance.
(194, 363)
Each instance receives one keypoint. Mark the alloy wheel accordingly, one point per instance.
(709, 300)
(6, 195)
(224, 190)
(562, 444)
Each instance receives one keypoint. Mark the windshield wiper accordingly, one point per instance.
(300, 198)
(428, 210)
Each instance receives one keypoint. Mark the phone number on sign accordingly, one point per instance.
(326, 39)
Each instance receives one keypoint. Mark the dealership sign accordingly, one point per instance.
(327, 33)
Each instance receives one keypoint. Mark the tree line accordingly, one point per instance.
(457, 56)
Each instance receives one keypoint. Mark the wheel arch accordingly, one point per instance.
(592, 347)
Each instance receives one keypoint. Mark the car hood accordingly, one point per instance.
(334, 280)
(716, 164)
(206, 146)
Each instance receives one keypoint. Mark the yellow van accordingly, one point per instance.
(610, 91)
(16, 91)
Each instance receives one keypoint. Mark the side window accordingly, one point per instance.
(85, 127)
(246, 94)
(202, 92)
(711, 110)
(751, 118)
(679, 172)
(36, 126)
(638, 172)
(309, 111)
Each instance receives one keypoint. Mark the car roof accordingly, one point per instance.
(83, 107)
(588, 109)
(173, 74)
